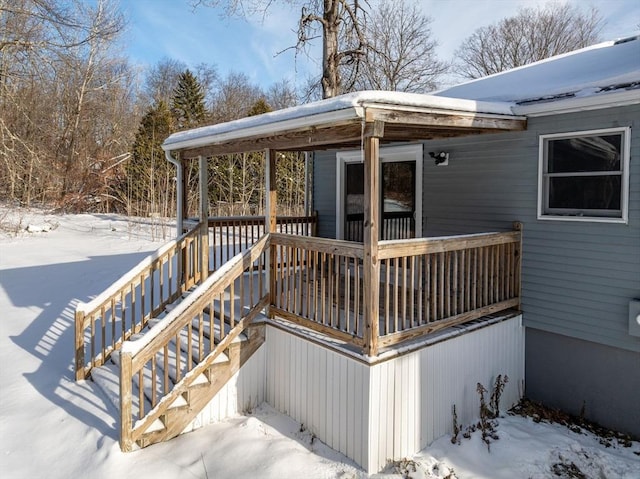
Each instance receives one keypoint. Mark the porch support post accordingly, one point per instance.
(271, 201)
(517, 225)
(204, 217)
(183, 191)
(371, 266)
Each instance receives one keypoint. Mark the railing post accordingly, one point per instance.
(371, 279)
(126, 444)
(204, 219)
(79, 330)
(517, 225)
(270, 223)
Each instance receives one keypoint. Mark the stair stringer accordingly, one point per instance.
(177, 420)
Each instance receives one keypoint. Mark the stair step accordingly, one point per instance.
(156, 426)
(206, 329)
(107, 377)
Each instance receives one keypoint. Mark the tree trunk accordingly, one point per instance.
(330, 71)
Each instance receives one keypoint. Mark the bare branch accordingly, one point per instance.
(531, 35)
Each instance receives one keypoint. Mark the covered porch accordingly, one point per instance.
(377, 292)
(370, 343)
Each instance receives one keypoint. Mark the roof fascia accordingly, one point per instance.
(570, 105)
(342, 115)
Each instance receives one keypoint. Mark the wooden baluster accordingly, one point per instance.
(141, 393)
(126, 444)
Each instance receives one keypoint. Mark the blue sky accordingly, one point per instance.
(172, 29)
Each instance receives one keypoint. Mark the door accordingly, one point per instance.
(400, 195)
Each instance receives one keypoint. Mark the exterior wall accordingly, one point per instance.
(324, 390)
(560, 371)
(392, 409)
(242, 393)
(577, 277)
(412, 396)
(324, 192)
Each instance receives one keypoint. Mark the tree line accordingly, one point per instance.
(81, 127)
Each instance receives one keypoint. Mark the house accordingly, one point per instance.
(451, 230)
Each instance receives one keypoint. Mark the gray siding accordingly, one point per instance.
(324, 192)
(577, 277)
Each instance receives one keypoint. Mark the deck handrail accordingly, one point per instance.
(187, 318)
(317, 283)
(426, 284)
(230, 235)
(125, 307)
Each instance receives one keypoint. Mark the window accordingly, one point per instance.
(584, 176)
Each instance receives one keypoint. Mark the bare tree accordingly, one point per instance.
(64, 98)
(532, 35)
(162, 79)
(234, 98)
(337, 22)
(400, 52)
(281, 95)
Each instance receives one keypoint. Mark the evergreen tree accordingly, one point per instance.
(150, 186)
(259, 107)
(188, 102)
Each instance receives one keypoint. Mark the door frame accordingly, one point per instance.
(387, 154)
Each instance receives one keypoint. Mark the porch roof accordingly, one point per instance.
(343, 122)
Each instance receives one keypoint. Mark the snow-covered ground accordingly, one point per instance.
(52, 426)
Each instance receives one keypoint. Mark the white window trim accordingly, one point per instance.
(624, 161)
(387, 154)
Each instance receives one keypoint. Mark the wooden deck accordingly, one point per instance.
(416, 287)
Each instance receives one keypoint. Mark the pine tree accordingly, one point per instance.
(188, 102)
(150, 188)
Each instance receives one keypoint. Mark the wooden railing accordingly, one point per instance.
(425, 284)
(317, 282)
(232, 235)
(395, 225)
(124, 309)
(178, 351)
(432, 283)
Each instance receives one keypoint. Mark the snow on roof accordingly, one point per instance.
(604, 67)
(346, 107)
(612, 66)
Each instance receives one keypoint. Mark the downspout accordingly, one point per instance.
(179, 192)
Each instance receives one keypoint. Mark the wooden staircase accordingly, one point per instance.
(171, 362)
(181, 412)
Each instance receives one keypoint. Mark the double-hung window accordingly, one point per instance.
(584, 176)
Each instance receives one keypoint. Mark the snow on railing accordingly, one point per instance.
(177, 352)
(124, 309)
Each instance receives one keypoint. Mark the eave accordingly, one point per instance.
(345, 128)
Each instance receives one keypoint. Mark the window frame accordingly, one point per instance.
(546, 213)
(408, 152)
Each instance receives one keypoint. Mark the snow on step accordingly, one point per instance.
(147, 378)
(206, 330)
(107, 377)
(195, 353)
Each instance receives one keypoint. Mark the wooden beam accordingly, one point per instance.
(305, 139)
(271, 201)
(204, 217)
(446, 119)
(185, 191)
(270, 188)
(371, 265)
